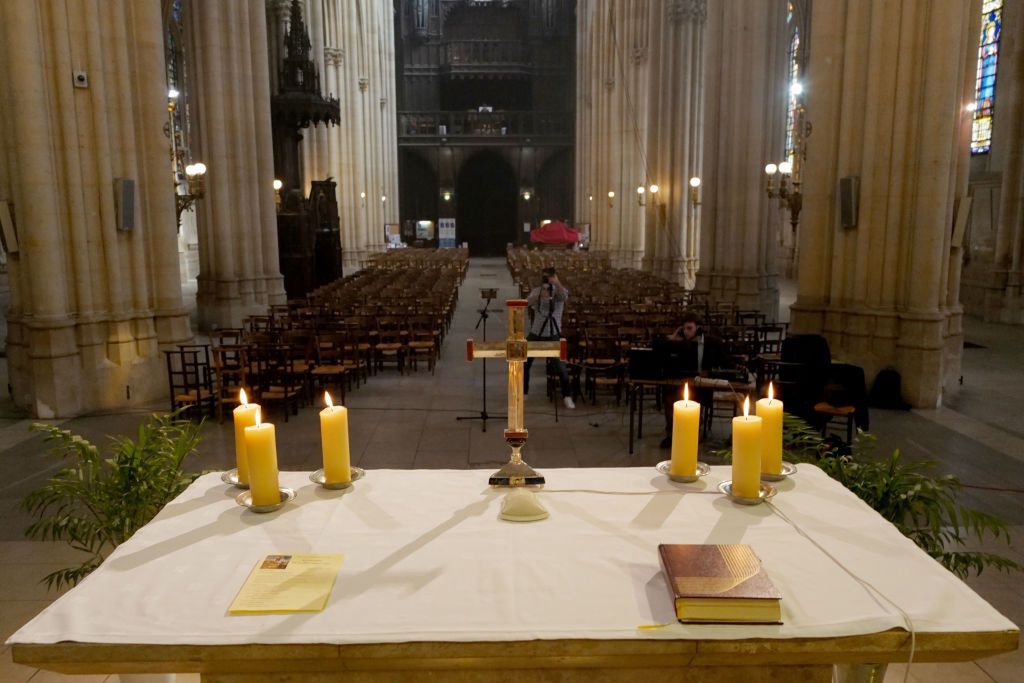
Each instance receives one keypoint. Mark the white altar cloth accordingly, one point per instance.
(427, 559)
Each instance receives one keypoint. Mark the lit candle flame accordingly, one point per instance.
(258, 417)
(686, 391)
(746, 407)
(327, 399)
(771, 392)
(242, 398)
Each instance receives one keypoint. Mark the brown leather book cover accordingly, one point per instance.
(731, 573)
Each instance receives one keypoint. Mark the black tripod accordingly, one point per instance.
(483, 416)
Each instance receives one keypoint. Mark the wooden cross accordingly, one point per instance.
(515, 349)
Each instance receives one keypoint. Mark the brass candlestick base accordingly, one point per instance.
(516, 472)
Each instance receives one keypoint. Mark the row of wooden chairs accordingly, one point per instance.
(336, 338)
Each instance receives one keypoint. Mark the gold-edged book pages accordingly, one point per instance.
(719, 584)
(288, 583)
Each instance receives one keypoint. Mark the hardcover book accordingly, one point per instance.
(719, 584)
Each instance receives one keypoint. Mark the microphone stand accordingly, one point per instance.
(483, 415)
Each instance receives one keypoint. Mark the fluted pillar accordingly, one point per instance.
(674, 154)
(91, 304)
(745, 105)
(638, 121)
(886, 84)
(353, 44)
(237, 222)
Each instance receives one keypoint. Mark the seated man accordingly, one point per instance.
(696, 354)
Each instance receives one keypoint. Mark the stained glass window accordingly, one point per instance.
(985, 85)
(794, 92)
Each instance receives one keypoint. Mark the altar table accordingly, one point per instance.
(435, 585)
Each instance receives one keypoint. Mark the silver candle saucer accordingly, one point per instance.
(665, 467)
(767, 491)
(231, 479)
(245, 500)
(318, 477)
(788, 470)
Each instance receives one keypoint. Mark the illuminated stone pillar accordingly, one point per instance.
(94, 296)
(745, 106)
(886, 89)
(354, 46)
(237, 221)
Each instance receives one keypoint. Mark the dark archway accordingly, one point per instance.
(487, 196)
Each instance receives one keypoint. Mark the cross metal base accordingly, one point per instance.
(516, 474)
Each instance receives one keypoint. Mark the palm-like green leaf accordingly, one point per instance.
(99, 502)
(924, 508)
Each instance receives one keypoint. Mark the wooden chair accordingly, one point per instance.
(390, 344)
(230, 374)
(603, 366)
(422, 341)
(330, 370)
(827, 411)
(277, 381)
(189, 380)
(302, 356)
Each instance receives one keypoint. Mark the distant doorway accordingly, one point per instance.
(487, 196)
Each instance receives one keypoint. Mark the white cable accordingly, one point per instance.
(866, 584)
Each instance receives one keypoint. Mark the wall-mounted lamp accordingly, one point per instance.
(653, 189)
(787, 190)
(195, 175)
(526, 193)
(971, 107)
(446, 195)
(383, 198)
(694, 192)
(277, 192)
(611, 198)
(641, 195)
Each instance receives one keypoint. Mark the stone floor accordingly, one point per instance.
(410, 421)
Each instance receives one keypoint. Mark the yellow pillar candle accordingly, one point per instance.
(244, 416)
(334, 442)
(685, 428)
(770, 412)
(261, 449)
(746, 454)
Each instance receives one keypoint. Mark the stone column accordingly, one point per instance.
(887, 83)
(92, 298)
(610, 132)
(353, 44)
(239, 268)
(674, 138)
(745, 107)
(638, 121)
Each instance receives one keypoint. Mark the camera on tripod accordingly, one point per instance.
(488, 293)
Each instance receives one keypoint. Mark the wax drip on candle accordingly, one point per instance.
(746, 409)
(242, 398)
(327, 399)
(686, 391)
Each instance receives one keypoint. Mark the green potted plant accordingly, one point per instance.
(923, 507)
(98, 502)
